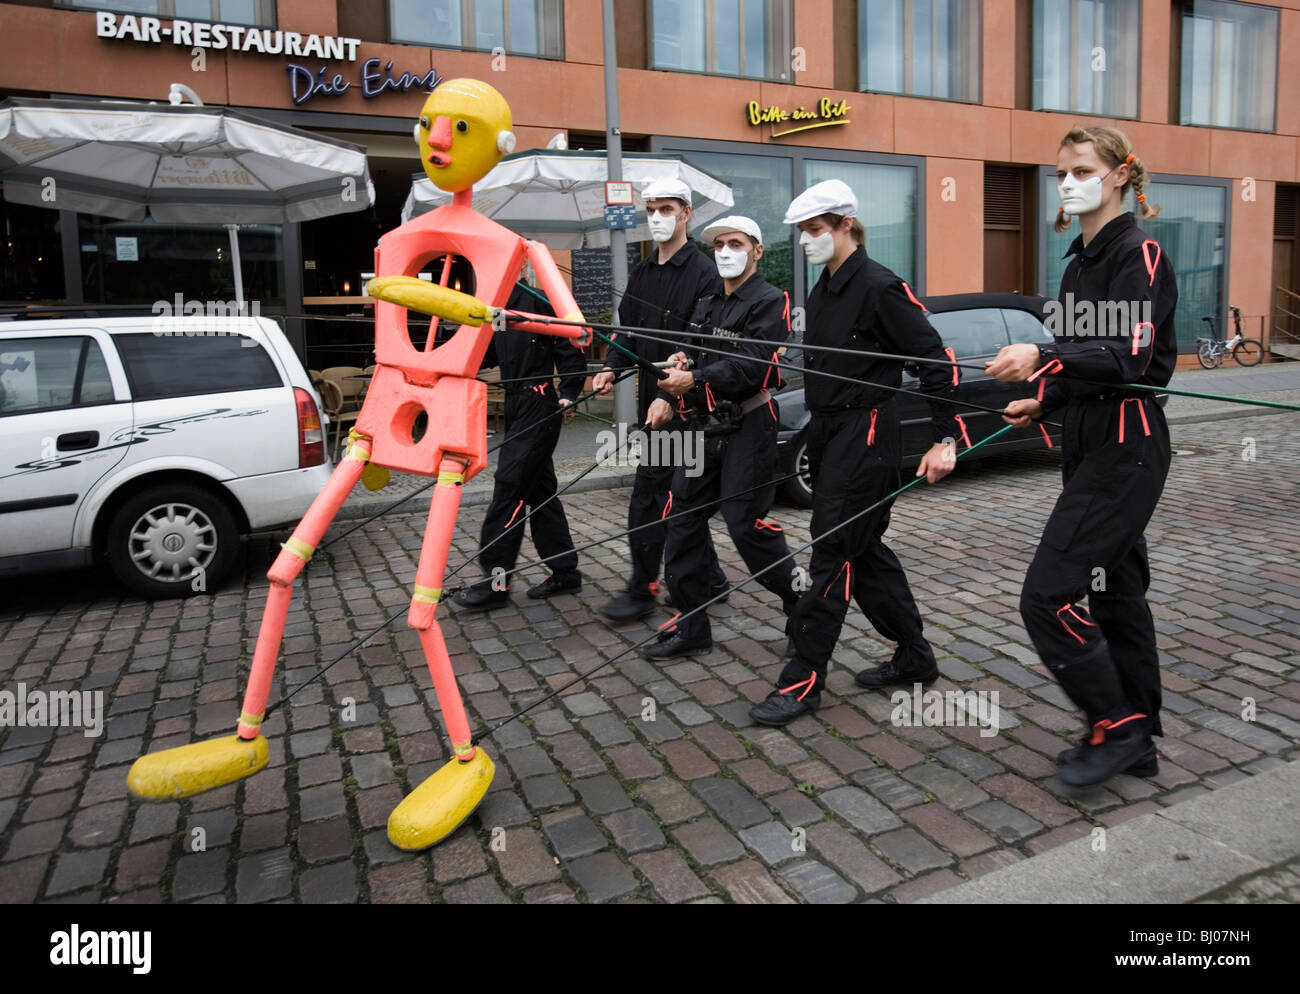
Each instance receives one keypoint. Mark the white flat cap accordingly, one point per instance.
(831, 196)
(721, 226)
(658, 189)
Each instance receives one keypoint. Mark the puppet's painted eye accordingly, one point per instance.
(462, 125)
(424, 122)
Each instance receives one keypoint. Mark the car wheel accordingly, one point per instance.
(798, 491)
(172, 541)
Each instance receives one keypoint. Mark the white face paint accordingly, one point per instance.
(731, 263)
(661, 226)
(819, 250)
(1080, 197)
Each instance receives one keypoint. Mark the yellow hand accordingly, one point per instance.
(430, 298)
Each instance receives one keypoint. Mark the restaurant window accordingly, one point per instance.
(761, 189)
(886, 207)
(1086, 56)
(517, 27)
(259, 12)
(1192, 231)
(143, 262)
(1228, 65)
(750, 38)
(921, 48)
(31, 255)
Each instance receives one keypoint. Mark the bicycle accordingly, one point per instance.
(1210, 351)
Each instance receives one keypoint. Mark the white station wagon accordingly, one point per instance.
(151, 446)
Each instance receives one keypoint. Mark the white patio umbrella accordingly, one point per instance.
(558, 197)
(179, 164)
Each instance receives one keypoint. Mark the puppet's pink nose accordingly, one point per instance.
(440, 133)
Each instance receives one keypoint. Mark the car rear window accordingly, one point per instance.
(978, 331)
(181, 365)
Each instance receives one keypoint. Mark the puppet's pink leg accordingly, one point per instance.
(200, 766)
(424, 602)
(293, 556)
(432, 811)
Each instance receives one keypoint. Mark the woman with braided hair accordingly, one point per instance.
(1115, 456)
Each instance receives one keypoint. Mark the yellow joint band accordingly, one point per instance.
(455, 479)
(299, 548)
(252, 720)
(572, 316)
(360, 454)
(427, 595)
(464, 749)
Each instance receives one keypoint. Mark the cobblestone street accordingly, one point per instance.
(647, 782)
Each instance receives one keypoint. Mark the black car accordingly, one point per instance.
(975, 326)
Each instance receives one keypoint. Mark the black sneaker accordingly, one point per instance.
(889, 674)
(781, 709)
(1123, 747)
(629, 605)
(1147, 765)
(674, 645)
(557, 583)
(481, 597)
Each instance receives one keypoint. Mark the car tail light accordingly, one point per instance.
(311, 436)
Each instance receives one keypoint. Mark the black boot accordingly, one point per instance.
(904, 669)
(481, 597)
(781, 709)
(629, 605)
(1119, 745)
(557, 583)
(1147, 765)
(673, 644)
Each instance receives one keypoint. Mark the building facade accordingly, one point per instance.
(943, 115)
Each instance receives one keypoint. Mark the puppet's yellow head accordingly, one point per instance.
(463, 131)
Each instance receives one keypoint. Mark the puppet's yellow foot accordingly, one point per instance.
(436, 808)
(430, 298)
(195, 768)
(375, 477)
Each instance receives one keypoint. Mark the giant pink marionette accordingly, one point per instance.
(463, 131)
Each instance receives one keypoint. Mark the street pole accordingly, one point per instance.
(624, 390)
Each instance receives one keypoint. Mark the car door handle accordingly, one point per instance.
(78, 440)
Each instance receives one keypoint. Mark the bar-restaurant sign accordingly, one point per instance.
(304, 83)
(826, 113)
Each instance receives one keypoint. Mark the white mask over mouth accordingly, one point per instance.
(731, 263)
(1080, 197)
(661, 226)
(819, 250)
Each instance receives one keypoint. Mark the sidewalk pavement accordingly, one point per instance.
(1240, 843)
(579, 442)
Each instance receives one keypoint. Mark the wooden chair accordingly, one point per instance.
(332, 397)
(351, 388)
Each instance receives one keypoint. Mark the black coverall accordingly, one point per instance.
(1115, 451)
(660, 297)
(739, 461)
(854, 449)
(525, 474)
